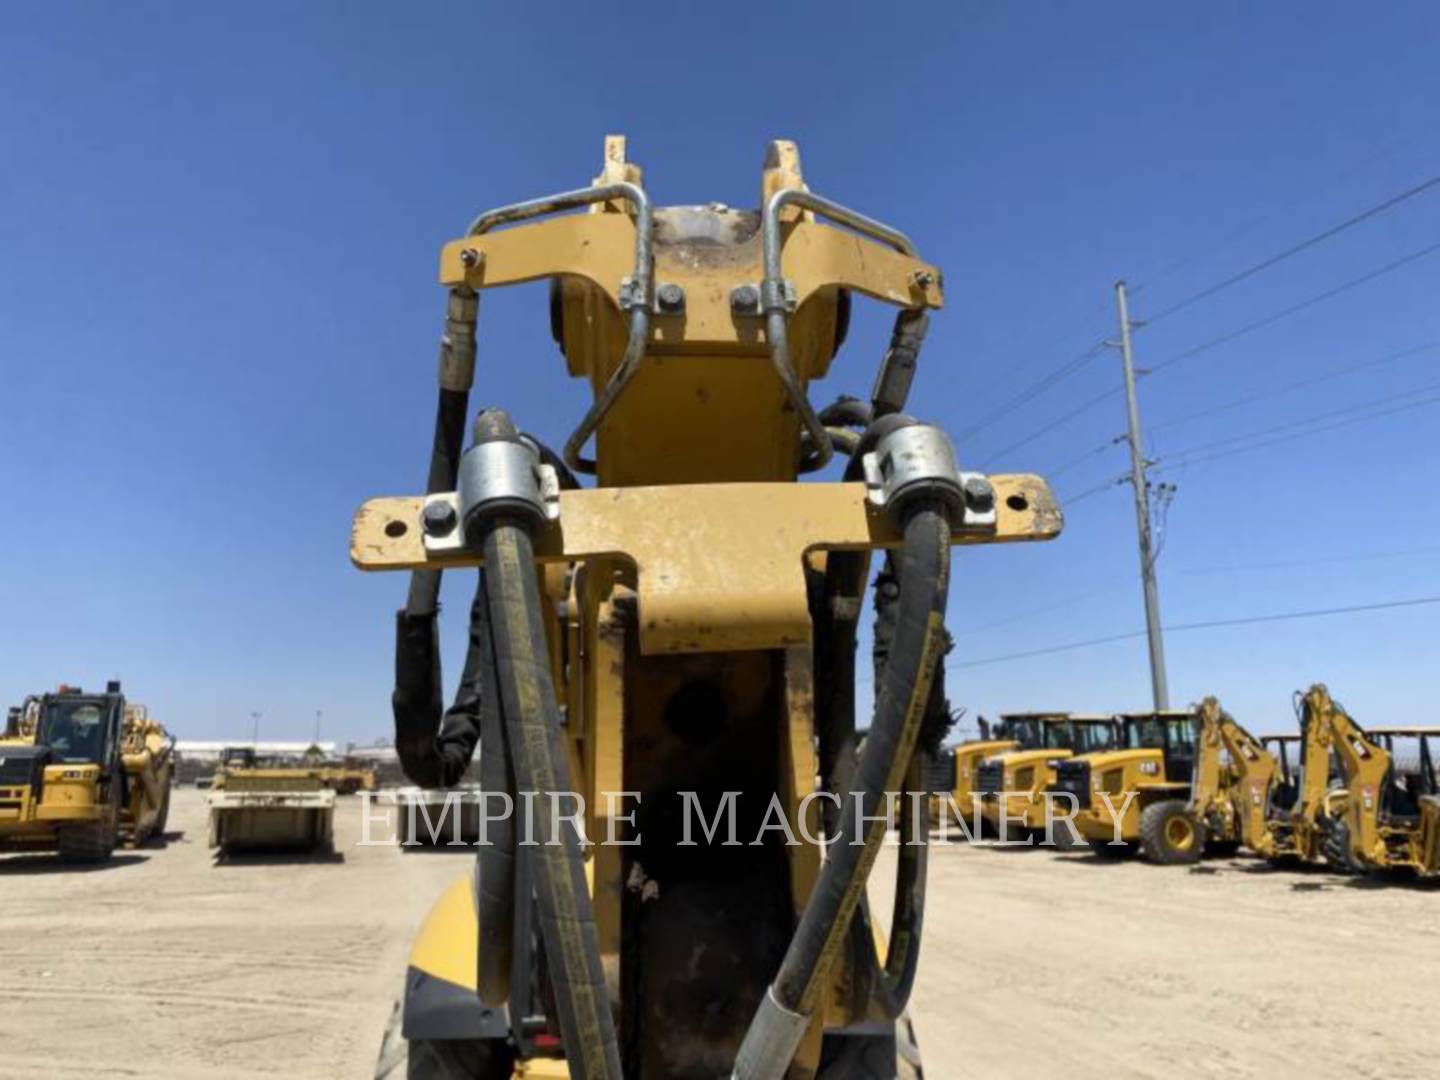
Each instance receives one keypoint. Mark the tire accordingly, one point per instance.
(1221, 849)
(1336, 849)
(1013, 833)
(1065, 838)
(439, 1059)
(1104, 849)
(93, 842)
(1170, 835)
(164, 816)
(874, 1057)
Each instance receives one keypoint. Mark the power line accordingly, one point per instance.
(1269, 320)
(1185, 461)
(1059, 421)
(1080, 459)
(1211, 624)
(1333, 180)
(1112, 585)
(1053, 378)
(1304, 245)
(1070, 500)
(1299, 384)
(1279, 564)
(1067, 334)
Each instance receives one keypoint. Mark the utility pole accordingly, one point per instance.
(1158, 683)
(255, 716)
(317, 728)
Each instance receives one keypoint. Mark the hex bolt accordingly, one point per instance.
(470, 258)
(671, 298)
(979, 494)
(744, 299)
(438, 518)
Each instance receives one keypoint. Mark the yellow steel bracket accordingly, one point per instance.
(719, 567)
(601, 249)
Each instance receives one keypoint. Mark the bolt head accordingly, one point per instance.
(744, 298)
(670, 297)
(979, 494)
(470, 258)
(438, 518)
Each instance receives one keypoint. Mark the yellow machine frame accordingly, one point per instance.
(689, 558)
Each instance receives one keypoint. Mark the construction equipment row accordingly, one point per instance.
(1182, 784)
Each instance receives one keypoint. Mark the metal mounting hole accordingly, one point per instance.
(396, 529)
(1017, 503)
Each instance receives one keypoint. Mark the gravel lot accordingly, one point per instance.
(166, 964)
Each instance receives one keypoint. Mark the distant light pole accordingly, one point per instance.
(318, 714)
(255, 740)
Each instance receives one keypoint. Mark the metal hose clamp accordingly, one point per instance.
(497, 477)
(917, 460)
(776, 297)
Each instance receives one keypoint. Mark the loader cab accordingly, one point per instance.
(238, 757)
(1081, 734)
(1412, 774)
(1030, 731)
(1288, 754)
(1172, 733)
(82, 729)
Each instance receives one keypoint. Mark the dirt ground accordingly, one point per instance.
(165, 964)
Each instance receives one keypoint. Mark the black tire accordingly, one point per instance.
(1065, 837)
(164, 816)
(1170, 835)
(1013, 832)
(1336, 848)
(1221, 849)
(439, 1059)
(1104, 849)
(93, 842)
(873, 1057)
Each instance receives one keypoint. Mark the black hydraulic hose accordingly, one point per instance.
(902, 695)
(495, 859)
(418, 697)
(847, 412)
(527, 690)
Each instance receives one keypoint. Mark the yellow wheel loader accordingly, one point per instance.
(82, 773)
(1137, 795)
(660, 672)
(1012, 785)
(957, 766)
(257, 804)
(1391, 818)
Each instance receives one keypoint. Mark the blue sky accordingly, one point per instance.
(218, 311)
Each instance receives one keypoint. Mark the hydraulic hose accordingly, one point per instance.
(418, 697)
(532, 722)
(792, 998)
(495, 861)
(495, 887)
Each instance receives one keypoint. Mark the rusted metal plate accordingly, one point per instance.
(718, 566)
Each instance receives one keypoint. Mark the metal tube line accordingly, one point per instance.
(640, 298)
(772, 297)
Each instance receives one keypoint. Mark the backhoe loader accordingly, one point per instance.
(83, 773)
(674, 641)
(1012, 785)
(1127, 797)
(1391, 817)
(1246, 794)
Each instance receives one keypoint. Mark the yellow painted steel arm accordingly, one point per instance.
(726, 570)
